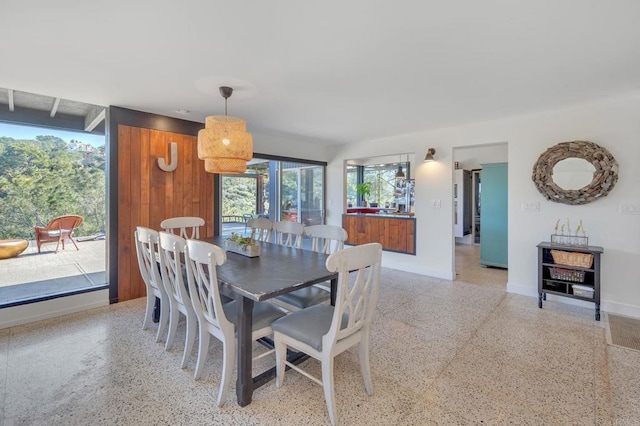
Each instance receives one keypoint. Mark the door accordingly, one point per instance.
(302, 193)
(493, 220)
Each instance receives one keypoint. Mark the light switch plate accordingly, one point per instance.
(435, 204)
(531, 206)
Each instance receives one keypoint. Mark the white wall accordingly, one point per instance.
(614, 124)
(471, 157)
(287, 146)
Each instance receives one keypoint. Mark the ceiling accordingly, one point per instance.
(47, 111)
(331, 71)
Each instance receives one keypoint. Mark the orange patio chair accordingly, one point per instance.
(57, 230)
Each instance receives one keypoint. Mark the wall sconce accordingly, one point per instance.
(430, 153)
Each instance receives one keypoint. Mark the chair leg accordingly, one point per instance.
(74, 243)
(203, 350)
(228, 359)
(174, 318)
(148, 313)
(192, 323)
(363, 354)
(327, 384)
(281, 356)
(164, 318)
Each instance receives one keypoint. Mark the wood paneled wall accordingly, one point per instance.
(147, 194)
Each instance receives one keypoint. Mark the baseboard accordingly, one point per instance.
(407, 267)
(605, 305)
(620, 308)
(24, 314)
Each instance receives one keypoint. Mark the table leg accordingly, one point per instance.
(155, 316)
(334, 291)
(244, 383)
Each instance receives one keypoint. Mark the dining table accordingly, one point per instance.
(277, 270)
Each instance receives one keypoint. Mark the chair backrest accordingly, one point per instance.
(289, 233)
(147, 241)
(326, 238)
(260, 228)
(355, 301)
(186, 227)
(202, 259)
(172, 252)
(67, 222)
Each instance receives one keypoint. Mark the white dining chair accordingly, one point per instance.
(147, 246)
(324, 239)
(186, 226)
(173, 273)
(289, 233)
(215, 318)
(324, 331)
(261, 228)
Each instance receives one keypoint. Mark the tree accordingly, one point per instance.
(40, 179)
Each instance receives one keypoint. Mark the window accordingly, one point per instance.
(382, 178)
(275, 189)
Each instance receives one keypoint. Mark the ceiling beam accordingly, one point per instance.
(54, 108)
(95, 116)
(12, 106)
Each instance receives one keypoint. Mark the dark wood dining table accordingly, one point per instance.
(278, 270)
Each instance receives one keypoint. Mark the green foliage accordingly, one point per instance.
(364, 188)
(239, 195)
(42, 179)
(244, 241)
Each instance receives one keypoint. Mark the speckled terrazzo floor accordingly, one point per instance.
(442, 353)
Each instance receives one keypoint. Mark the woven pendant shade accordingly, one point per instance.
(224, 144)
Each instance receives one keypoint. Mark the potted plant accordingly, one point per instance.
(364, 189)
(242, 245)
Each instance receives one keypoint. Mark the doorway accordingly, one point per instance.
(466, 256)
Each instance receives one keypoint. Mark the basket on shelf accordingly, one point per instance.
(570, 258)
(572, 275)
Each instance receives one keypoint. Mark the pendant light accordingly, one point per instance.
(224, 144)
(400, 173)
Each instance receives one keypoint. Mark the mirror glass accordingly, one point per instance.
(573, 173)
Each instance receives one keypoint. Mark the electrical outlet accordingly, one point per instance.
(629, 208)
(435, 204)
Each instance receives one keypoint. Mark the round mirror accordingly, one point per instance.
(577, 172)
(573, 173)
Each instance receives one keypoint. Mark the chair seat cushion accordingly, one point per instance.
(305, 297)
(263, 314)
(307, 325)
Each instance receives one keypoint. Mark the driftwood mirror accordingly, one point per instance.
(584, 172)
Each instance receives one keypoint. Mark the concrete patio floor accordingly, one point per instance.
(34, 275)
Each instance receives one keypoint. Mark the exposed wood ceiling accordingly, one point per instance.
(32, 109)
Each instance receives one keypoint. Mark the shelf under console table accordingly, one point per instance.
(569, 271)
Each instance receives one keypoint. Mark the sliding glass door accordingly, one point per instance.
(275, 189)
(302, 190)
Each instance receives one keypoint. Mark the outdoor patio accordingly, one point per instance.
(33, 275)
